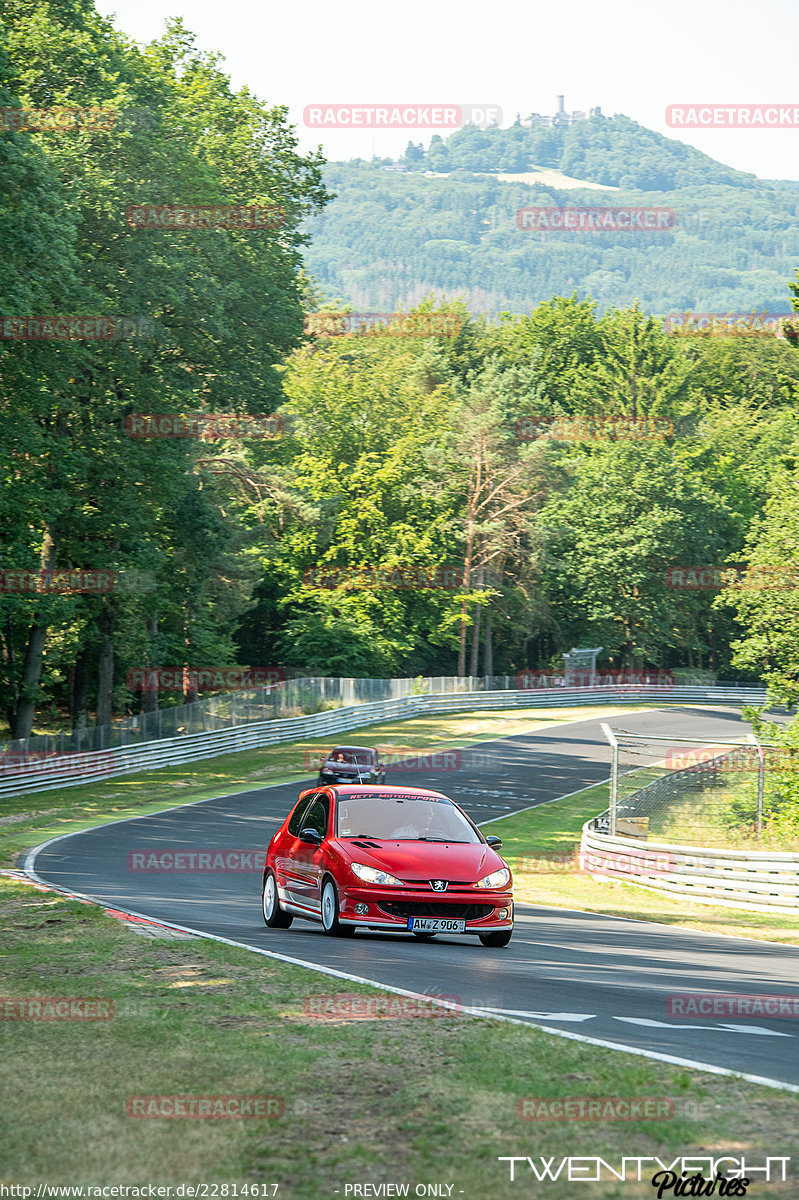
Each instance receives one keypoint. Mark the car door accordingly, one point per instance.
(289, 882)
(308, 858)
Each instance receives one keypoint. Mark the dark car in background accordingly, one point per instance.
(352, 764)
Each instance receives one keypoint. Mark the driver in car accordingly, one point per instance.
(427, 825)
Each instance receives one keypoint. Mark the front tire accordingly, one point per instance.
(274, 916)
(500, 937)
(330, 910)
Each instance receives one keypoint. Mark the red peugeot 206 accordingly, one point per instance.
(386, 858)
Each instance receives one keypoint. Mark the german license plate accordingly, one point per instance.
(436, 925)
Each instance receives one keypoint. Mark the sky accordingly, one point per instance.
(518, 55)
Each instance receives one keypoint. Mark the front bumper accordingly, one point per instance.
(390, 907)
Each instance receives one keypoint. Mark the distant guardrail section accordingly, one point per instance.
(24, 770)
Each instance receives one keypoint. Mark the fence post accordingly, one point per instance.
(614, 777)
(761, 771)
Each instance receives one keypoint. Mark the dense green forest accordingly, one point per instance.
(396, 453)
(388, 239)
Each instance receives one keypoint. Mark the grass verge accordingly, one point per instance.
(400, 1100)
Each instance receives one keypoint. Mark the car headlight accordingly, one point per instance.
(496, 879)
(371, 875)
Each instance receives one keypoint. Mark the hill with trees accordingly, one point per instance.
(446, 225)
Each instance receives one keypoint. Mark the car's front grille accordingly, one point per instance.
(425, 884)
(414, 908)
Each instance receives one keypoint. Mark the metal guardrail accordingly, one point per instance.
(762, 881)
(758, 880)
(290, 698)
(69, 770)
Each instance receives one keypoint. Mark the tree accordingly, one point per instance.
(500, 484)
(225, 307)
(361, 494)
(627, 513)
(765, 595)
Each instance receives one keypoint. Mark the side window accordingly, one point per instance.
(295, 821)
(316, 817)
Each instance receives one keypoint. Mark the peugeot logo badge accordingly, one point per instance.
(438, 885)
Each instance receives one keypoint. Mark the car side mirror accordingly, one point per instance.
(494, 841)
(311, 835)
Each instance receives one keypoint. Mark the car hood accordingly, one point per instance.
(464, 862)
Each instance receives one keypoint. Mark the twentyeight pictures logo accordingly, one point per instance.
(400, 116)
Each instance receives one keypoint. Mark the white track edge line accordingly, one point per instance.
(760, 1080)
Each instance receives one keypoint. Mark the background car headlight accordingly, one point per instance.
(497, 879)
(370, 875)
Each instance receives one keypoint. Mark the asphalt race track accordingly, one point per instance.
(593, 976)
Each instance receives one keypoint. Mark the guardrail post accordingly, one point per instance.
(614, 777)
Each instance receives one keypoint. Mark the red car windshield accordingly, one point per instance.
(413, 819)
(360, 757)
